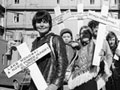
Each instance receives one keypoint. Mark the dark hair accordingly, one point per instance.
(66, 30)
(87, 29)
(42, 15)
(15, 80)
(111, 35)
(1, 31)
(92, 24)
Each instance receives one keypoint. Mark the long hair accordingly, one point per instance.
(93, 24)
(88, 29)
(42, 15)
(109, 36)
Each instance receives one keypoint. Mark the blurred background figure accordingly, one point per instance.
(106, 54)
(114, 81)
(71, 48)
(3, 50)
(12, 53)
(67, 35)
(84, 73)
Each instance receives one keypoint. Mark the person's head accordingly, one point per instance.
(42, 22)
(112, 40)
(66, 34)
(1, 31)
(94, 26)
(85, 35)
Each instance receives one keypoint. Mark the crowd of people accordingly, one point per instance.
(70, 62)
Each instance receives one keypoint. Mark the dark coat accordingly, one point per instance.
(53, 65)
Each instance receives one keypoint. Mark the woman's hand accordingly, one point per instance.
(117, 52)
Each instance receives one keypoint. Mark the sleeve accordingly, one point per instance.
(117, 52)
(61, 59)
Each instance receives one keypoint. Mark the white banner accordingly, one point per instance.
(84, 15)
(62, 17)
(103, 19)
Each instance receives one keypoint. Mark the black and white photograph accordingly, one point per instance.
(59, 44)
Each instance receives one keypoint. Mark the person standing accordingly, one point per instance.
(53, 65)
(106, 54)
(3, 50)
(84, 73)
(114, 81)
(71, 48)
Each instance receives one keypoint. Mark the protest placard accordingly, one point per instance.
(27, 60)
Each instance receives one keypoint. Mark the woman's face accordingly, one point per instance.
(84, 35)
(42, 27)
(67, 37)
(111, 41)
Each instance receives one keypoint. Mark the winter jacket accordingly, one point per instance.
(53, 65)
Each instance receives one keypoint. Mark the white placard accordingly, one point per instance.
(67, 15)
(27, 60)
(62, 17)
(99, 44)
(104, 19)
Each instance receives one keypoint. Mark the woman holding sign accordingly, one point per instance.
(53, 65)
(84, 73)
(105, 54)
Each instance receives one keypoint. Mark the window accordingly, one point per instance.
(92, 1)
(16, 17)
(16, 1)
(115, 1)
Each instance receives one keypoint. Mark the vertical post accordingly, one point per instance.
(101, 32)
(99, 42)
(79, 10)
(58, 12)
